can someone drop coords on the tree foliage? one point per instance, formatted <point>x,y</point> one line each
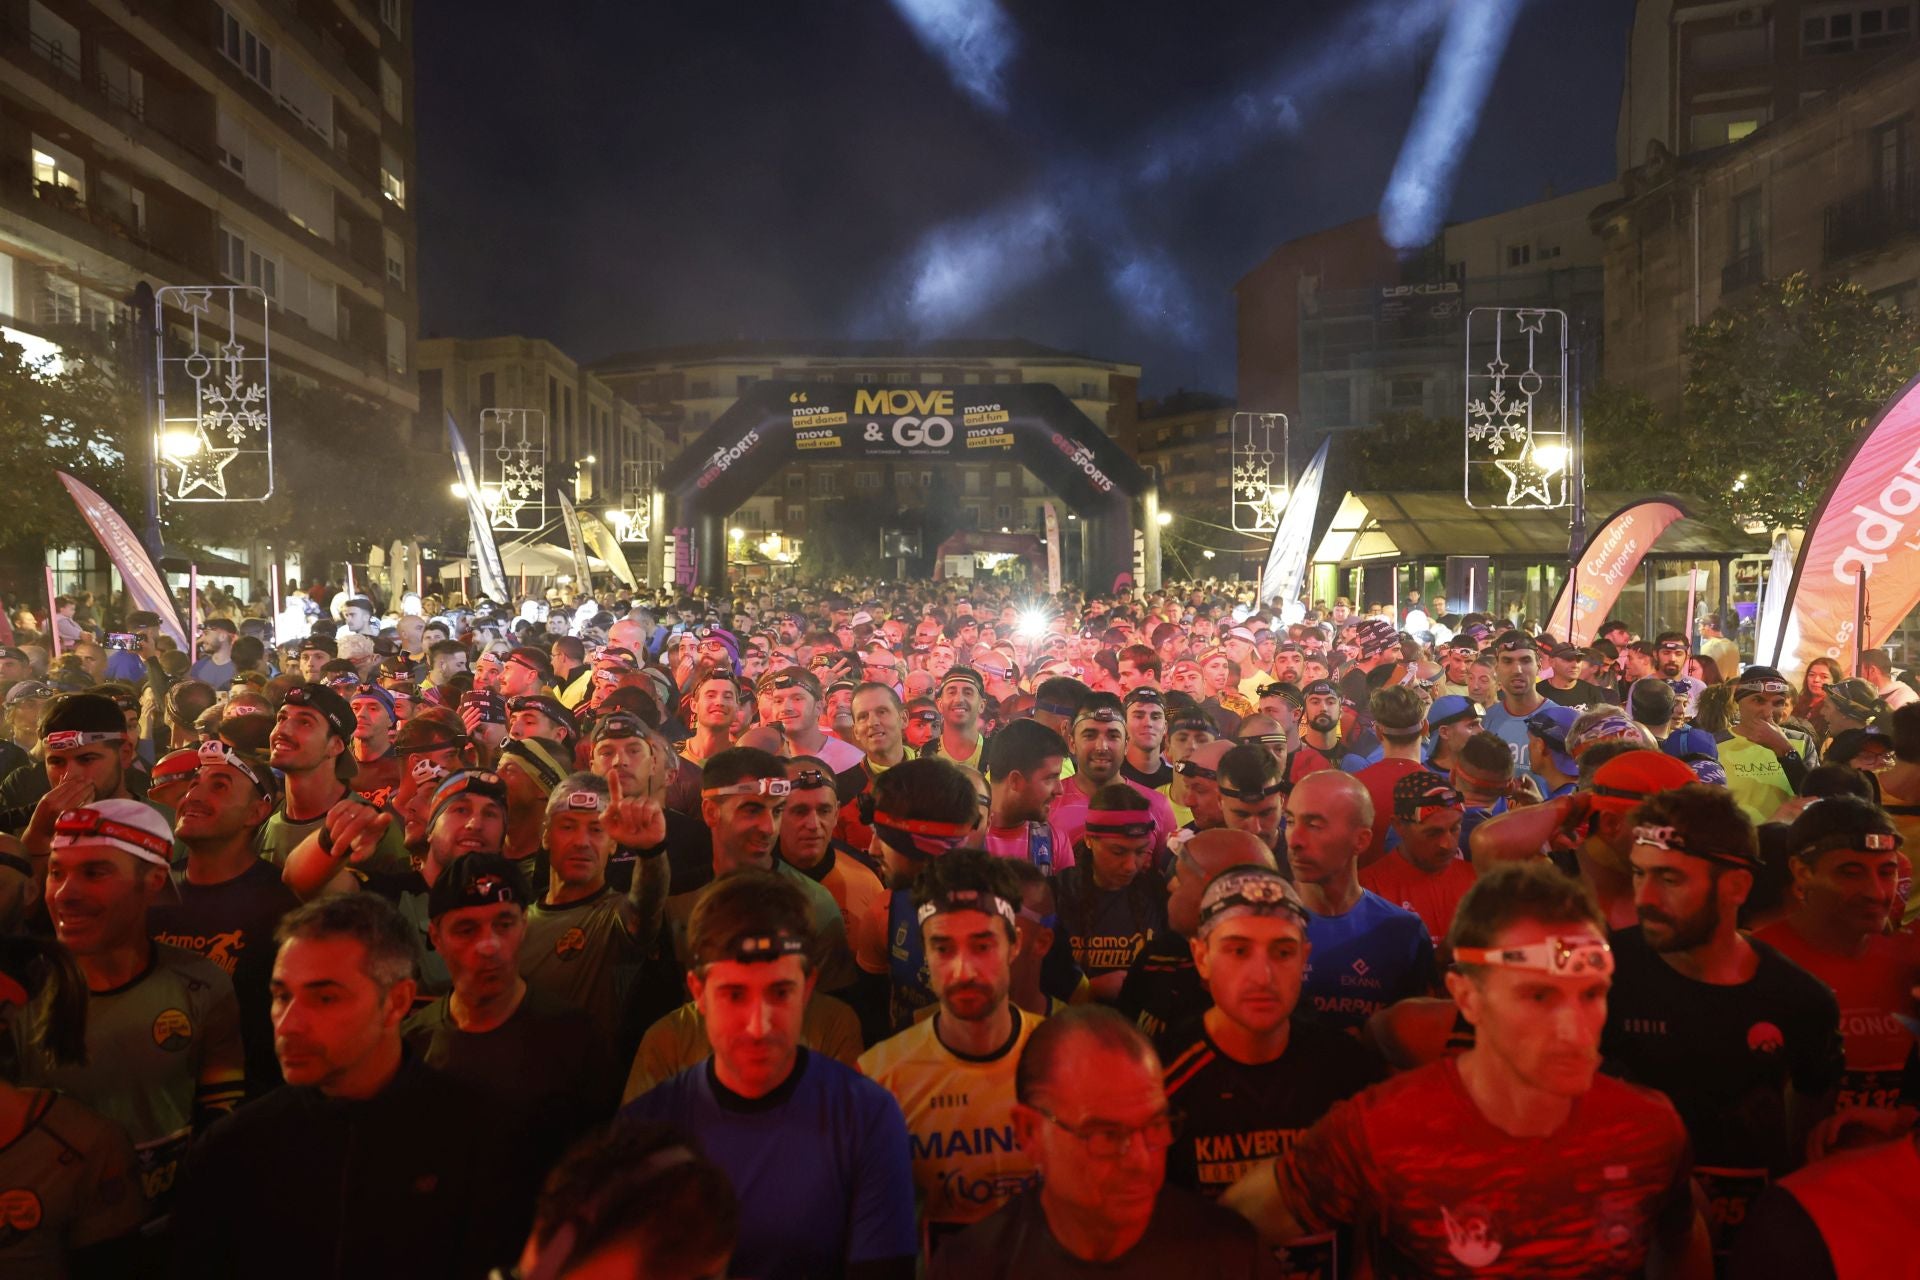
<point>1779,387</point>
<point>1403,451</point>
<point>73,416</point>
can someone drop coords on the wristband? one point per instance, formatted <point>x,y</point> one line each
<point>326,841</point>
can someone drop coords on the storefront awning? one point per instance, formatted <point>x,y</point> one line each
<point>1375,527</point>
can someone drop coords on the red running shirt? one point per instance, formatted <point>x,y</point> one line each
<point>1874,989</point>
<point>1451,1195</point>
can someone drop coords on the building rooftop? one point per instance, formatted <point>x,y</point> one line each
<point>847,349</point>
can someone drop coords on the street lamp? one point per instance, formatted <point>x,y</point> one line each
<point>459,490</point>
<point>736,533</point>
<point>1163,519</point>
<point>180,444</point>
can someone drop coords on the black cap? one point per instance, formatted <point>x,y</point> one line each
<point>318,697</point>
<point>477,880</point>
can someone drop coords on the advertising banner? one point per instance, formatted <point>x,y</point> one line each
<point>493,576</point>
<point>1053,547</point>
<point>145,587</point>
<point>1612,555</point>
<point>607,547</point>
<point>1286,572</point>
<point>1868,525</point>
<point>582,568</point>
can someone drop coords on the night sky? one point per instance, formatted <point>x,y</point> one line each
<point>635,174</point>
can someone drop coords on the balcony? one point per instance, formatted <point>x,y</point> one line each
<point>1871,219</point>
<point>1742,271</point>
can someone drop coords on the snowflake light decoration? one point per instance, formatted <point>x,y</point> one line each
<point>1259,488</point>
<point>216,411</point>
<point>1516,429</point>
<point>513,468</point>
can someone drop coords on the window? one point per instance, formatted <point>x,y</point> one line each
<point>1407,393</point>
<point>970,516</point>
<point>742,383</point>
<point>396,344</point>
<point>796,515</point>
<point>307,199</point>
<point>1548,252</point>
<point>1519,255</point>
<point>488,400</point>
<point>566,409</point>
<point>826,483</point>
<point>392,96</point>
<point>60,302</point>
<point>867,480</point>
<point>54,38</point>
<point>6,286</point>
<point>122,200</point>
<point>1090,391</point>
<point>1002,480</point>
<point>1845,28</point>
<point>57,172</point>
<point>796,481</point>
<point>1003,513</point>
<point>1729,50</point>
<point>699,388</point>
<point>1718,128</point>
<point>393,178</point>
<point>390,14</point>
<point>1893,160</point>
<point>864,379</point>
<point>898,377</point>
<point>396,258</point>
<point>1745,229</point>
<point>124,86</point>
<point>926,479</point>
<point>308,99</point>
<point>245,49</point>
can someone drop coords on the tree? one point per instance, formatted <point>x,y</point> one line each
<point>74,415</point>
<point>1404,450</point>
<point>1779,387</point>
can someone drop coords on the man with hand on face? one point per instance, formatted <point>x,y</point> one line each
<point>1494,1163</point>
<point>582,934</point>
<point>1248,1077</point>
<point>1745,1042</point>
<point>1765,763</point>
<point>164,1056</point>
<point>820,1151</point>
<point>228,901</point>
<point>790,698</point>
<point>1425,873</point>
<point>1367,953</point>
<point>88,757</point>
<point>531,1052</point>
<point>952,1073</point>
<point>1095,1120</point>
<point>439,1179</point>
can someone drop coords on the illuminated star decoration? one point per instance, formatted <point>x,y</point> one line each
<point>204,468</point>
<point>1525,478</point>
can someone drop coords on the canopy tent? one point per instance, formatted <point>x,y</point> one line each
<point>1391,526</point>
<point>178,559</point>
<point>538,558</point>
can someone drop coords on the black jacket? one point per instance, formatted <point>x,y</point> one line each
<point>427,1179</point>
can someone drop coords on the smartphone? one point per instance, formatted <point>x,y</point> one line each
<point>123,641</point>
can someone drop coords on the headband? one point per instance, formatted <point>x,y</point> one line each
<point>967,900</point>
<point>1272,788</point>
<point>1119,822</point>
<point>750,787</point>
<point>1417,807</point>
<point>1864,841</point>
<point>425,770</point>
<point>1105,715</point>
<point>918,838</point>
<point>1673,840</point>
<point>1053,708</point>
<point>1486,782</point>
<point>1249,891</point>
<point>584,801</point>
<point>1569,956</point>
<point>1760,684</point>
<point>214,751</point>
<point>89,826</point>
<point>68,739</point>
<point>1264,739</point>
<point>761,948</point>
<point>1188,769</point>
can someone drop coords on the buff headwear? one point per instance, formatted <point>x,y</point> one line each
<point>1249,891</point>
<point>1421,792</point>
<point>479,782</point>
<point>918,838</point>
<point>126,825</point>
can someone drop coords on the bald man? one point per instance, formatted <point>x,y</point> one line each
<point>1367,953</point>
<point>1162,986</point>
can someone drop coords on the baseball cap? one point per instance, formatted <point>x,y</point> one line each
<point>427,733</point>
<point>1449,708</point>
<point>1622,783</point>
<point>477,880</point>
<point>1565,651</point>
<point>126,825</point>
<point>1322,688</point>
<point>547,705</point>
<point>1651,701</point>
<point>23,690</point>
<point>331,706</point>
<point>1856,699</point>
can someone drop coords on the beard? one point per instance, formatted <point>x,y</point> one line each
<point>1685,933</point>
<point>1322,723</point>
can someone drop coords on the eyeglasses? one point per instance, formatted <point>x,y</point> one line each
<point>1106,1141</point>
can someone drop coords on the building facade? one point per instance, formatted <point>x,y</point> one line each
<point>1832,189</point>
<point>685,388</point>
<point>1338,332</point>
<point>1704,73</point>
<point>598,446</point>
<point>188,142</point>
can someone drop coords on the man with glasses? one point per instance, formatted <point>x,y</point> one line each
<point>1146,734</point>
<point>1248,1076</point>
<point>1092,1115</point>
<point>1553,1143</point>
